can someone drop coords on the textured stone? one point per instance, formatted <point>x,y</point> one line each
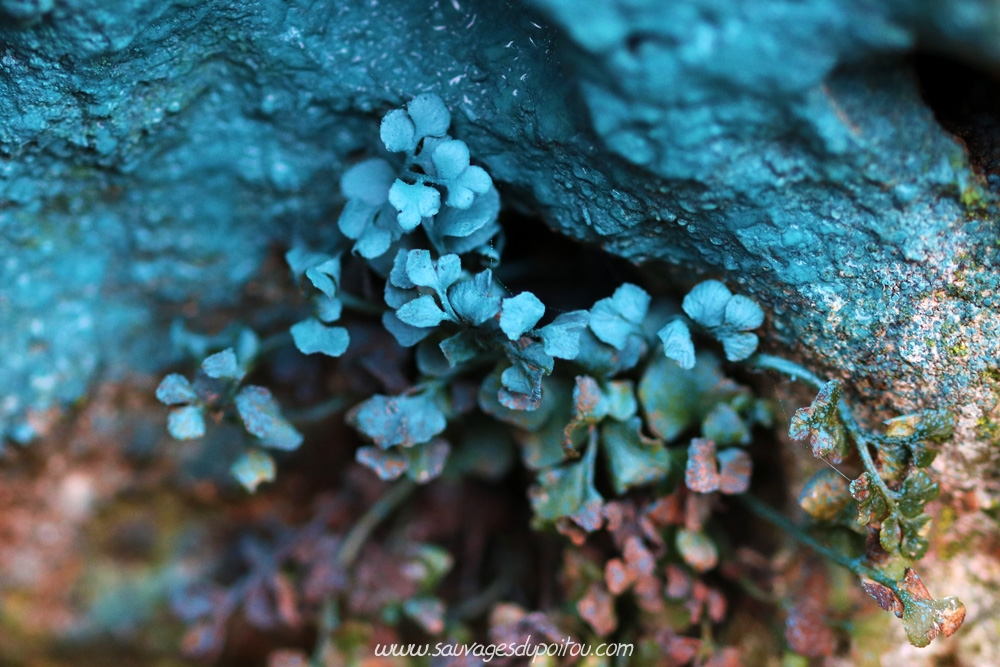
<point>151,151</point>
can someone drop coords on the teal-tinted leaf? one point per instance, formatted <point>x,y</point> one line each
<point>723,425</point>
<point>262,417</point>
<point>477,300</point>
<point>706,303</point>
<point>252,468</point>
<point>421,312</point>
<point>527,420</point>
<point>522,387</point>
<point>427,460</point>
<point>460,348</point>
<point>450,159</point>
<point>223,366</point>
<point>631,302</point>
<point>247,348</point>
<point>603,360</point>
<point>420,268</point>
<point>697,549</point>
<point>738,346</point>
<point>918,489</point>
<point>464,223</point>
<point>735,468</point>
<point>388,465</point>
<point>743,314</point>
<point>519,314</point>
<point>462,190</point>
<point>825,495</point>
<point>620,395</point>
<point>701,473</point>
<point>413,201</point>
<point>175,389</point>
<point>312,336</point>
<point>398,276</point>
<point>405,334</point>
<point>398,420</point>
<point>187,423</point>
<point>431,360</point>
<point>608,324</point>
<point>633,459</point>
<point>398,132</point>
<point>561,337</point>
<point>615,318</point>
<point>327,309</point>
<point>568,491</point>
<point>356,217</point>
<point>377,237</point>
<point>677,343</point>
<point>368,182</point>
<point>429,114</point>
<point>301,258</point>
<point>326,276</point>
<point>889,535</point>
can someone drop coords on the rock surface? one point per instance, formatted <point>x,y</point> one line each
<point>151,151</point>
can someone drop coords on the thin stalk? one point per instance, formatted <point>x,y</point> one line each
<point>855,565</point>
<point>320,411</point>
<point>360,305</point>
<point>786,367</point>
<point>369,521</point>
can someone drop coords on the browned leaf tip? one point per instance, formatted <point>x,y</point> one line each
<point>598,610</point>
<point>884,596</point>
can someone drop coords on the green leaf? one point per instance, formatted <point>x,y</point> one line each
<point>529,420</point>
<point>697,549</point>
<point>918,489</point>
<point>620,395</point>
<point>872,504</point>
<point>890,534</point>
<point>252,468</point>
<point>825,495</point>
<point>738,346</point>
<point>568,491</point>
<point>914,545</point>
<point>924,618</point>
<point>742,314</point>
<point>427,460</point>
<point>723,425</point>
<point>633,459</point>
